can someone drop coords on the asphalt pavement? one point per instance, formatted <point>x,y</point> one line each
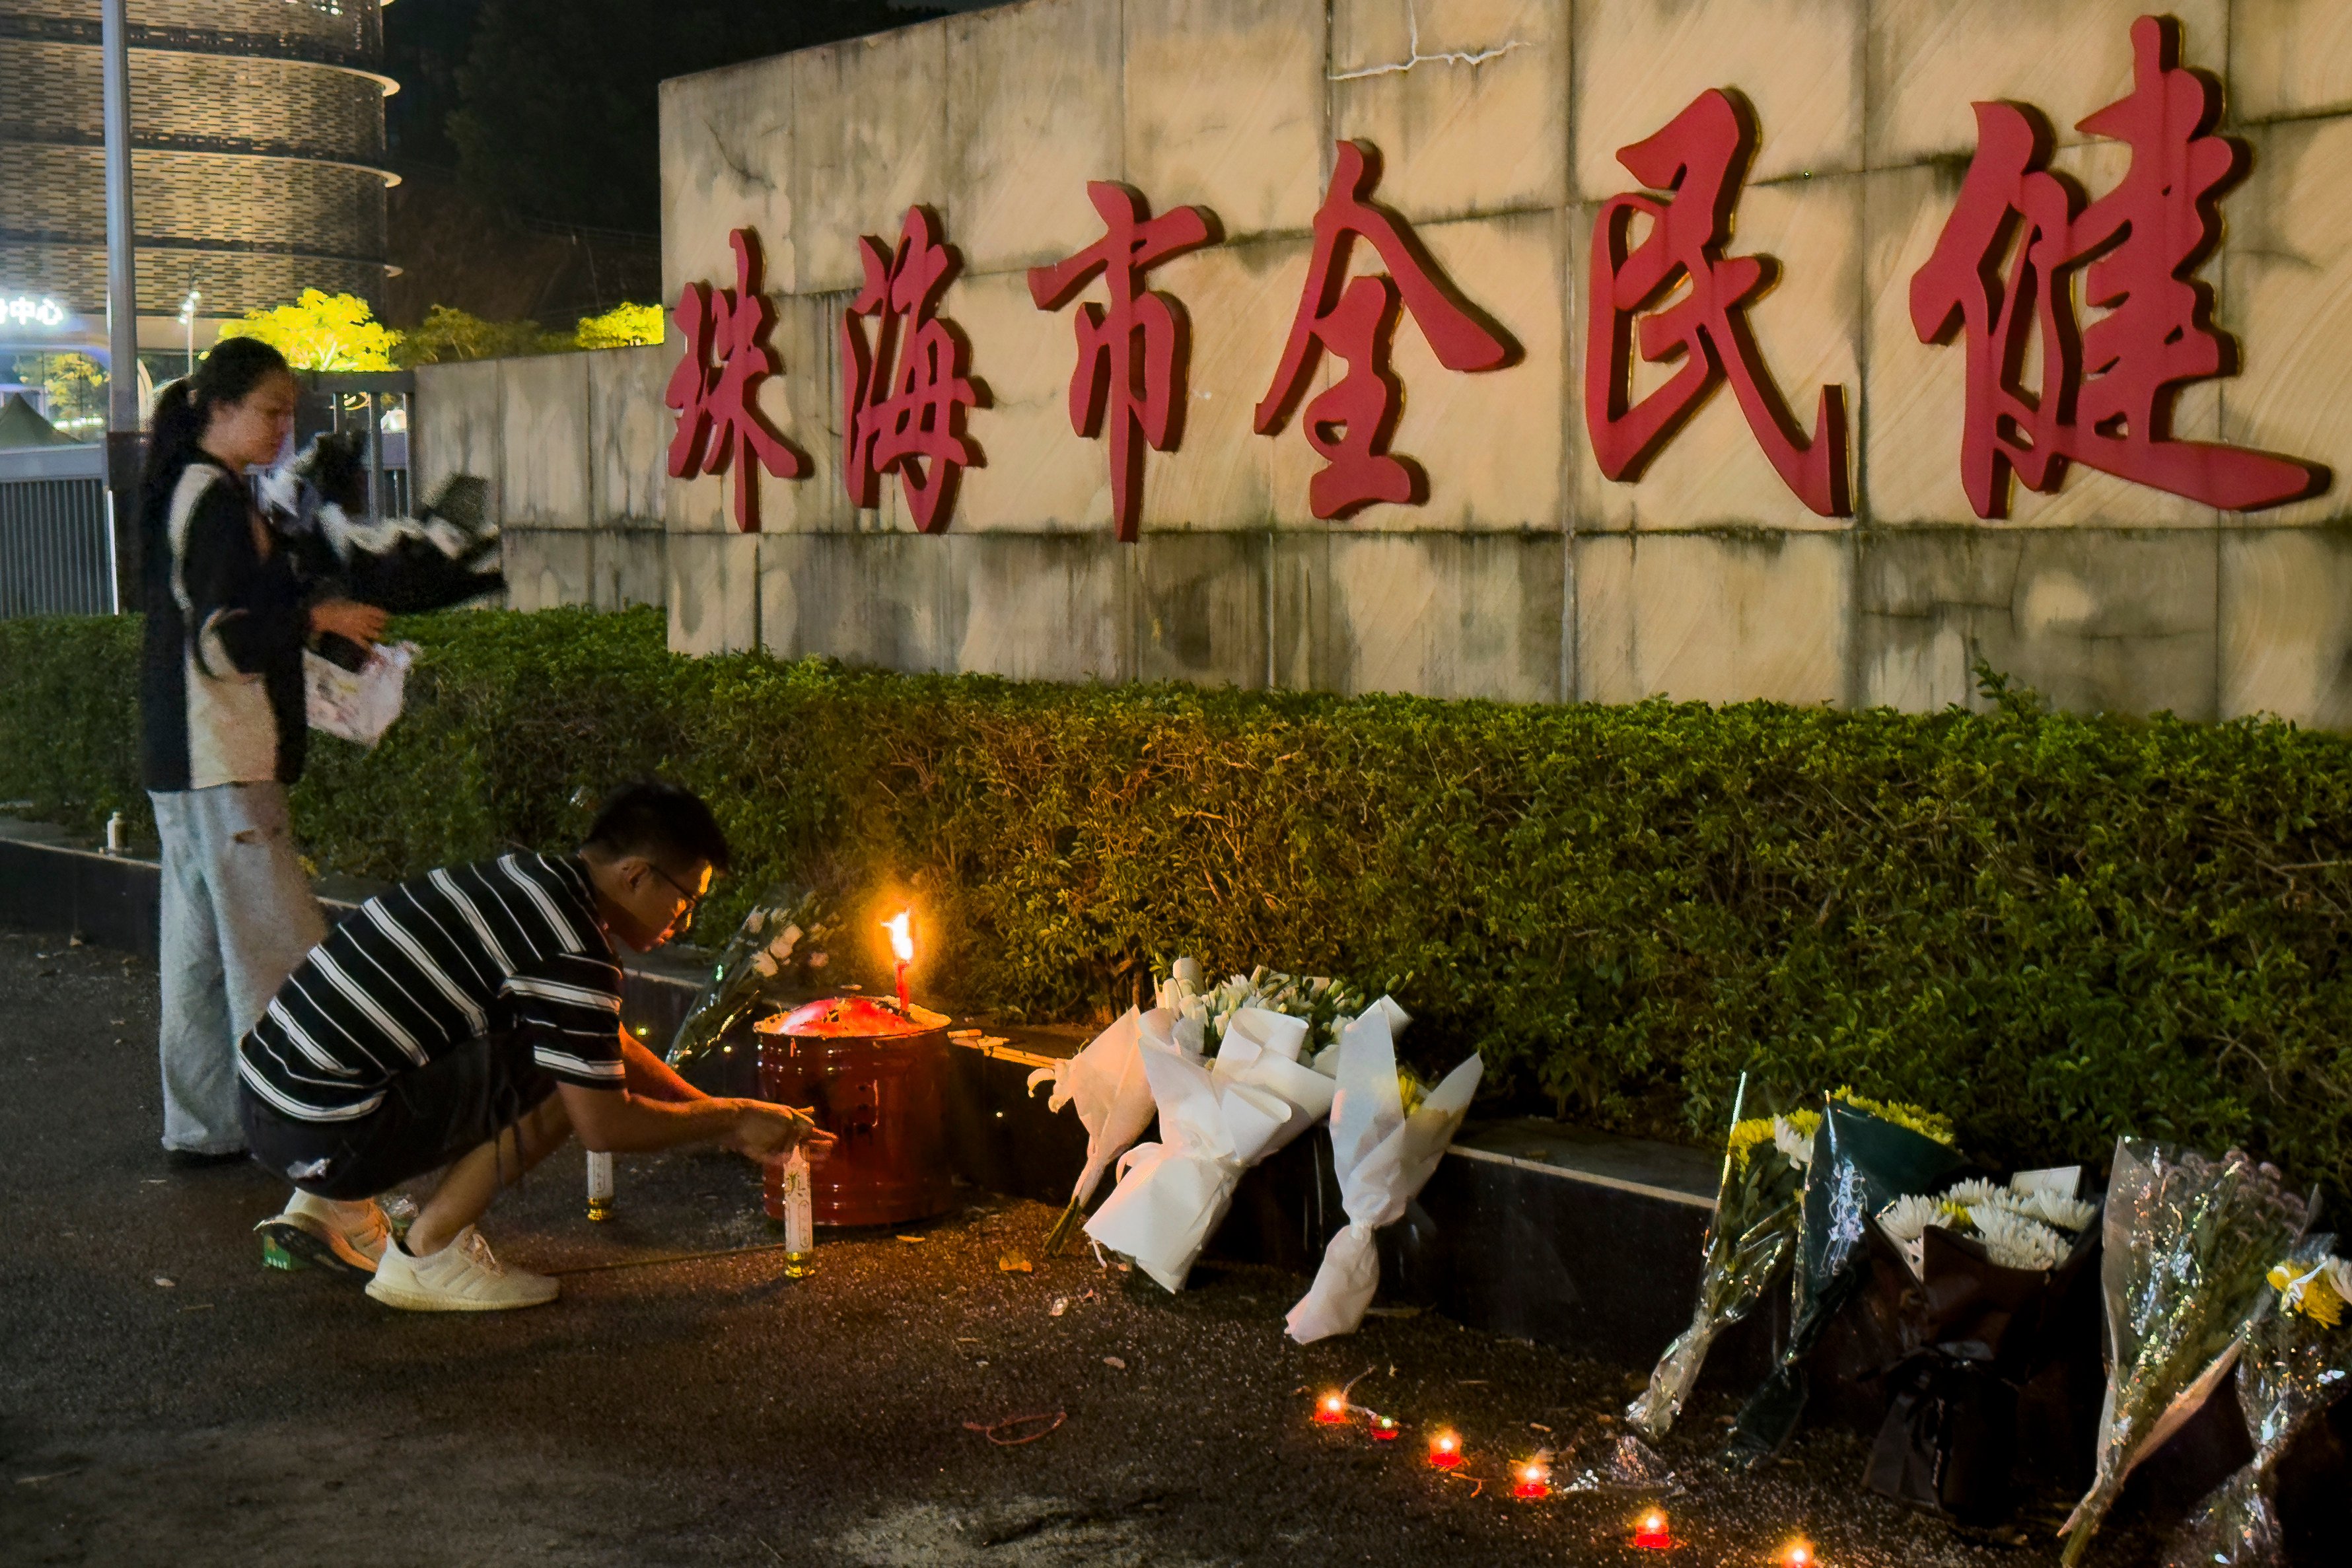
<point>164,1399</point>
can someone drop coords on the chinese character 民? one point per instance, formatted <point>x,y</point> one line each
<point>1701,157</point>
<point>717,402</point>
<point>903,393</point>
<point>1130,358</point>
<point>2106,392</point>
<point>1349,424</point>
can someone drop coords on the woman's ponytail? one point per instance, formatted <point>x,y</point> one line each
<point>171,437</point>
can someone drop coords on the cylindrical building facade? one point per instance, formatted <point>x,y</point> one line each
<point>256,163</point>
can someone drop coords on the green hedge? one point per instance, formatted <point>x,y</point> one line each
<point>2055,929</point>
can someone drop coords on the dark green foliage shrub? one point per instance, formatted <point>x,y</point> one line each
<point>2054,928</point>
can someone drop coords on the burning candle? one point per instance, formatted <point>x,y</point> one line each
<point>1331,1410</point>
<point>1445,1450</point>
<point>1650,1531</point>
<point>1532,1479</point>
<point>1798,1554</point>
<point>1384,1429</point>
<point>902,947</point>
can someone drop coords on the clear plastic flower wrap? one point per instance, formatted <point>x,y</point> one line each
<point>773,958</point>
<point>1865,1156</point>
<point>2187,1241</point>
<point>2296,1362</point>
<point>1747,1243</point>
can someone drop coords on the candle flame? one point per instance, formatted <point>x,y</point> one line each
<point>1653,1523</point>
<point>1799,1553</point>
<point>902,942</point>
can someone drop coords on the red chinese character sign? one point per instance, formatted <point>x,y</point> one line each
<point>1349,424</point>
<point>718,399</point>
<point>904,389</point>
<point>1637,297</point>
<point>1131,358</point>
<point>2004,265</point>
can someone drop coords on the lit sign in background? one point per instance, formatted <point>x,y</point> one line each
<point>31,310</point>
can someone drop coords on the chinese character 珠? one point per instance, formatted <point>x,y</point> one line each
<point>903,393</point>
<point>1702,157</point>
<point>717,403</point>
<point>1349,424</point>
<point>1131,357</point>
<point>2106,392</point>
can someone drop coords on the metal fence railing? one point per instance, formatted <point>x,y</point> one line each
<point>56,555</point>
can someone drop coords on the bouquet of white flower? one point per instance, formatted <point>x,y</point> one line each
<point>2296,1361</point>
<point>2188,1241</point>
<point>1106,1083</point>
<point>769,961</point>
<point>1747,1242</point>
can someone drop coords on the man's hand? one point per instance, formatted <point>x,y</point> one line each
<point>768,1134</point>
<point>363,624</point>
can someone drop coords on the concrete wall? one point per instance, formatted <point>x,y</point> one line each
<point>1528,574</point>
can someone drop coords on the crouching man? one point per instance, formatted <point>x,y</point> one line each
<point>470,1020</point>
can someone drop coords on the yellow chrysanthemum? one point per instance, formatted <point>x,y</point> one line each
<point>2312,1294</point>
<point>1927,1123</point>
<point>1746,1135</point>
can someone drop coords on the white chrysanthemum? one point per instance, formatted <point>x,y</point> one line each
<point>1793,1141</point>
<point>1906,1218</point>
<point>786,941</point>
<point>2014,1241</point>
<point>2066,1214</point>
<point>756,922</point>
<point>764,965</point>
<point>2337,1272</point>
<point>1975,1191</point>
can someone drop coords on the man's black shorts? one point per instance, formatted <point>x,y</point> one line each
<point>452,1104</point>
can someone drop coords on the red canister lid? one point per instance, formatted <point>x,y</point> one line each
<point>853,1018</point>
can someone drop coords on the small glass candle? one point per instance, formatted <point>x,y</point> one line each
<point>1798,1554</point>
<point>1650,1531</point>
<point>1384,1429</point>
<point>1331,1410</point>
<point>1444,1450</point>
<point>1532,1481</point>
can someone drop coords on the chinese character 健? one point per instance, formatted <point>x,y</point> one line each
<point>1702,157</point>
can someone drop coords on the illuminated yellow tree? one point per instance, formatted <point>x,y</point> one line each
<point>623,326</point>
<point>322,331</point>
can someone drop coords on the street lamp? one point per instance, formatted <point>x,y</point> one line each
<point>188,320</point>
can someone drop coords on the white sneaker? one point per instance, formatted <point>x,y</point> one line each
<point>461,1278</point>
<point>346,1238</point>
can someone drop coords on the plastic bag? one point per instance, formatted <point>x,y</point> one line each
<point>357,705</point>
<point>771,961</point>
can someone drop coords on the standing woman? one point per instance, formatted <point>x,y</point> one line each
<point>223,726</point>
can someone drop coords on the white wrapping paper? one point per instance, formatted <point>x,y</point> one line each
<point>1382,1157</point>
<point>1106,1083</point>
<point>1216,1119</point>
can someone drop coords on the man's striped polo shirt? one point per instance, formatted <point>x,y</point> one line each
<point>504,953</point>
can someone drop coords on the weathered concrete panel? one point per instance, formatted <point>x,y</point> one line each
<point>543,459</point>
<point>1713,617</point>
<point>1042,607</point>
<point>869,140</point>
<point>1447,614</point>
<point>1226,106</point>
<point>1638,62</point>
<point>1034,114</point>
<point>1462,100</point>
<point>2287,624</point>
<point>726,147</point>
<point>628,432</point>
<point>866,599</point>
<point>1239,300</point>
<point>2289,57</point>
<point>1930,60</point>
<point>2095,619</point>
<point>2286,292</point>
<point>714,592</point>
<point>548,567</point>
<point>457,427</point>
<point>1712,473</point>
<point>631,567</point>
<point>1200,602</point>
<point>1038,474</point>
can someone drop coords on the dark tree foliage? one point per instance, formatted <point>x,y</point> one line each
<point>558,111</point>
<point>425,43</point>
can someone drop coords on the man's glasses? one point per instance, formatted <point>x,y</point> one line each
<point>692,900</point>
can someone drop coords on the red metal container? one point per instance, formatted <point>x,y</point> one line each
<point>877,1077</point>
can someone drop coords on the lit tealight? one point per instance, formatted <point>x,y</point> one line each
<point>1384,1429</point>
<point>1799,1553</point>
<point>1650,1531</point>
<point>1445,1450</point>
<point>1331,1410</point>
<point>1532,1479</point>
